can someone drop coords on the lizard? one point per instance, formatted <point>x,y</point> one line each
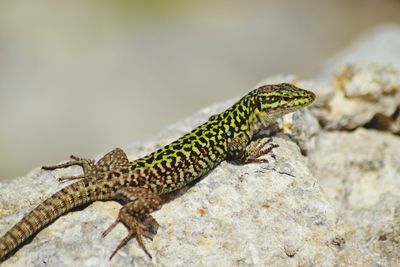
<point>141,184</point>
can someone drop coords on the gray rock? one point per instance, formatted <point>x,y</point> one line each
<point>360,172</point>
<point>236,216</point>
<point>362,94</point>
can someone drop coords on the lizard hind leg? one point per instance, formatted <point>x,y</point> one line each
<point>111,160</point>
<point>135,216</point>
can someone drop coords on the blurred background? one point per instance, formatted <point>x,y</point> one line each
<point>84,77</point>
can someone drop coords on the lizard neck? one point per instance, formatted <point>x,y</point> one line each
<point>243,117</point>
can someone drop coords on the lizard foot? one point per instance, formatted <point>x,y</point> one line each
<point>110,161</point>
<point>87,165</point>
<point>147,228</point>
<point>135,216</point>
<point>257,149</point>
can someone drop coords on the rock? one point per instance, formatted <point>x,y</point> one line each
<point>359,170</point>
<point>302,126</point>
<point>379,45</point>
<point>362,93</point>
<point>360,173</point>
<point>254,217</point>
<point>367,162</point>
<point>237,215</point>
<point>355,96</point>
<point>370,81</point>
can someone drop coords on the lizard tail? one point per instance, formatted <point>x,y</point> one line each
<point>71,196</point>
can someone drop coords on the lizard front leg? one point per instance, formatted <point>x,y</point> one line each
<point>258,148</point>
<point>244,151</point>
<point>110,161</point>
<point>135,215</point>
<point>241,149</point>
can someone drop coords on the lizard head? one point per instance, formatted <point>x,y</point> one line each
<point>273,101</point>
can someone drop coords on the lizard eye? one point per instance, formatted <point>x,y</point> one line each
<point>263,99</point>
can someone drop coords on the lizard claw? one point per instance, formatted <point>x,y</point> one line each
<point>138,233</point>
<point>109,228</point>
<point>126,240</point>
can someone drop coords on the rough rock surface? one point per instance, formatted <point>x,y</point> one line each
<point>235,216</point>
<point>330,197</point>
<point>361,94</point>
<point>360,172</point>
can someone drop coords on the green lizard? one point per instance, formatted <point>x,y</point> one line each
<point>140,184</point>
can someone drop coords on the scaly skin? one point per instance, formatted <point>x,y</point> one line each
<point>140,183</point>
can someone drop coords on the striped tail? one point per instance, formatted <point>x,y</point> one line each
<point>71,196</point>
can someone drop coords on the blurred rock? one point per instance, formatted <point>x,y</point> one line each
<point>362,92</point>
<point>378,45</point>
<point>365,90</point>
